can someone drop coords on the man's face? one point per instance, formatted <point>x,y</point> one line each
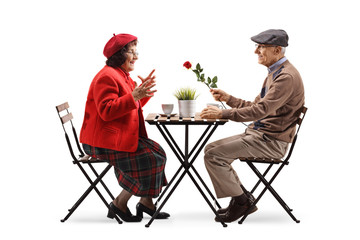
<point>267,54</point>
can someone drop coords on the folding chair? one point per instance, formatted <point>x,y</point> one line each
<point>281,163</point>
<point>83,159</point>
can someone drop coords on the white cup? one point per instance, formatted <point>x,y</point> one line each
<point>167,108</point>
<point>215,105</point>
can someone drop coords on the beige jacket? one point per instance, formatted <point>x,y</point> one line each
<point>276,109</point>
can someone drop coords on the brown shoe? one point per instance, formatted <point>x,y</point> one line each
<point>224,210</point>
<point>252,209</point>
<point>237,209</point>
<point>250,197</point>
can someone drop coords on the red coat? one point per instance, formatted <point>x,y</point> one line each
<point>112,117</point>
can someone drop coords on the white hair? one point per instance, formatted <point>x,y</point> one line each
<point>283,50</point>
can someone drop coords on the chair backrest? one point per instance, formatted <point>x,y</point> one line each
<point>66,117</point>
<point>299,121</point>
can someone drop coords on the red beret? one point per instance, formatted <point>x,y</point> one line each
<point>116,43</point>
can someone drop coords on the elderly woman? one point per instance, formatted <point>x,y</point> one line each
<point>113,129</point>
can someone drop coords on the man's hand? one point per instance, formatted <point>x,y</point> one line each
<point>211,112</point>
<point>220,95</point>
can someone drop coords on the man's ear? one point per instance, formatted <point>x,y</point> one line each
<point>277,50</point>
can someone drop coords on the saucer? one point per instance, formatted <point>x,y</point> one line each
<point>167,115</point>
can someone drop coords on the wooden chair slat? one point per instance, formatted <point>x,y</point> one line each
<point>62,107</point>
<point>304,110</point>
<point>67,118</point>
<point>260,160</point>
<point>299,121</point>
<point>89,159</point>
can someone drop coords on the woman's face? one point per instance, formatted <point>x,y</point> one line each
<point>132,56</point>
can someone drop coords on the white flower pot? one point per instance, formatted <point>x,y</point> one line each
<point>187,108</point>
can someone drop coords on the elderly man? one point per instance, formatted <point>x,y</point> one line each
<point>273,112</point>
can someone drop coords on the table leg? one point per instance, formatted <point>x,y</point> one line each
<point>206,199</point>
<point>173,189</point>
<point>171,139</point>
<point>166,199</point>
<point>168,186</point>
<point>195,156</point>
<point>172,145</point>
<point>184,160</point>
<point>188,165</point>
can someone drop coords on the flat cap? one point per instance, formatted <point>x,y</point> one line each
<point>275,37</point>
<point>116,43</point>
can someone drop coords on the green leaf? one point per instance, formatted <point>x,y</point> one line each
<point>198,67</point>
<point>215,79</point>
<point>185,93</point>
<point>209,80</point>
<point>197,73</point>
<point>201,70</point>
<point>213,85</point>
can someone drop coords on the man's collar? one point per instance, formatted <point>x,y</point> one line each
<point>277,64</point>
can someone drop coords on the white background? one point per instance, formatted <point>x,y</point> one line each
<point>51,50</point>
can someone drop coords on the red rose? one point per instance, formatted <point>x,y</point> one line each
<point>187,64</point>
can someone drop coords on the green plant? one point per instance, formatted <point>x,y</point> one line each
<point>185,93</point>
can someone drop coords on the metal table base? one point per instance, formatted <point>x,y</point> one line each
<point>187,157</point>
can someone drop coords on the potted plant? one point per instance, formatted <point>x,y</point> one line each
<point>187,101</point>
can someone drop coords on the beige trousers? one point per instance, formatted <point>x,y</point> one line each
<point>220,154</point>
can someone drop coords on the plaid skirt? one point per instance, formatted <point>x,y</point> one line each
<point>142,173</point>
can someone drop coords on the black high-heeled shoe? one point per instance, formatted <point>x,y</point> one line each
<point>140,208</point>
<point>127,217</point>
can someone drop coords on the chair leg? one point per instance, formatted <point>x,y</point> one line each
<point>101,181</point>
<point>273,192</point>
<point>264,174</point>
<point>89,189</point>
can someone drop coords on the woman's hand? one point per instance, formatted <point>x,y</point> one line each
<point>220,95</point>
<point>150,77</point>
<point>144,90</point>
<point>211,112</point>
